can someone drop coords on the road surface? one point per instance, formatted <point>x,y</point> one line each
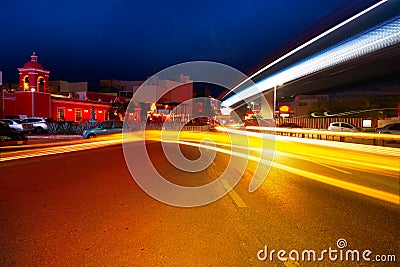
<point>83,208</point>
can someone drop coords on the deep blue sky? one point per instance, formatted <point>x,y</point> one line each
<point>82,40</point>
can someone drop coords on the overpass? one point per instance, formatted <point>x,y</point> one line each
<point>364,48</point>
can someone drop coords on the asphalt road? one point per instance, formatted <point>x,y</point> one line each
<point>84,209</point>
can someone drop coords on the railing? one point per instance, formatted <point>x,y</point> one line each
<point>196,128</point>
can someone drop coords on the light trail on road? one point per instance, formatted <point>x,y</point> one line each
<point>365,158</point>
<point>369,159</point>
<point>60,149</point>
<point>337,182</point>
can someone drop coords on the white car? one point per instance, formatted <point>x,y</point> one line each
<point>342,127</point>
<point>40,125</point>
<point>18,125</point>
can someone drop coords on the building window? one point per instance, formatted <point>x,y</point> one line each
<point>78,115</point>
<point>60,114</point>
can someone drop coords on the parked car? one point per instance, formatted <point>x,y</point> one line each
<point>389,129</point>
<point>40,125</point>
<point>18,125</point>
<point>290,125</point>
<point>260,122</point>
<point>203,121</point>
<point>106,127</point>
<point>342,127</point>
<point>10,136</point>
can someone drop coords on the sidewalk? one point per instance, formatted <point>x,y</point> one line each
<point>45,140</point>
<point>50,138</point>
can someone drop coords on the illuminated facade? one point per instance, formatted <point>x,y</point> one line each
<point>34,99</point>
<point>33,77</point>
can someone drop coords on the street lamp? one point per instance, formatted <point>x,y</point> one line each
<point>273,115</point>
<point>273,112</point>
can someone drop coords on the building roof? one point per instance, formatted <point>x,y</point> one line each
<point>33,63</point>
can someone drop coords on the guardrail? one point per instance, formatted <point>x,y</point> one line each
<point>196,128</point>
<point>350,137</point>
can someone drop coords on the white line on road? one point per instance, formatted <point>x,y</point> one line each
<point>333,168</point>
<point>234,196</point>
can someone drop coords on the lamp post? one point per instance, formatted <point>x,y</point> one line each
<point>275,103</point>
<point>273,112</point>
<point>33,101</point>
<point>2,103</point>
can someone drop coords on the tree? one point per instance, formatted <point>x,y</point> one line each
<point>117,110</point>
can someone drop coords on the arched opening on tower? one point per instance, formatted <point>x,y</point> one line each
<point>40,84</point>
<point>26,83</point>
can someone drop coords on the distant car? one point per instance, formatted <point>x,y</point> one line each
<point>9,136</point>
<point>290,125</point>
<point>389,129</point>
<point>40,125</point>
<point>260,122</point>
<point>106,127</point>
<point>342,127</point>
<point>203,121</point>
<point>17,125</point>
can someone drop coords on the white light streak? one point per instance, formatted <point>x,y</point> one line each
<point>283,77</point>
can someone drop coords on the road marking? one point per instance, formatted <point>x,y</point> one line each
<point>333,168</point>
<point>234,196</point>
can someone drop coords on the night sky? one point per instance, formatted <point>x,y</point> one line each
<point>82,40</point>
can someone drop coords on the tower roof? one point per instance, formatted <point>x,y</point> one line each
<point>33,63</point>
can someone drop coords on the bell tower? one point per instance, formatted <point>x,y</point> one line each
<point>33,77</point>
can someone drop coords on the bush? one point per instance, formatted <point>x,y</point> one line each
<point>66,127</point>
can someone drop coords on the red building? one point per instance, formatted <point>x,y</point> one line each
<point>33,100</point>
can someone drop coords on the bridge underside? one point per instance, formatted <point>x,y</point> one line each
<point>365,73</point>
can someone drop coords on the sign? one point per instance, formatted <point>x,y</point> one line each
<point>367,123</point>
<point>284,109</point>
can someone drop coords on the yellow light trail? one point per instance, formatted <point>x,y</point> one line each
<point>349,186</point>
<point>37,152</point>
<point>390,167</point>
